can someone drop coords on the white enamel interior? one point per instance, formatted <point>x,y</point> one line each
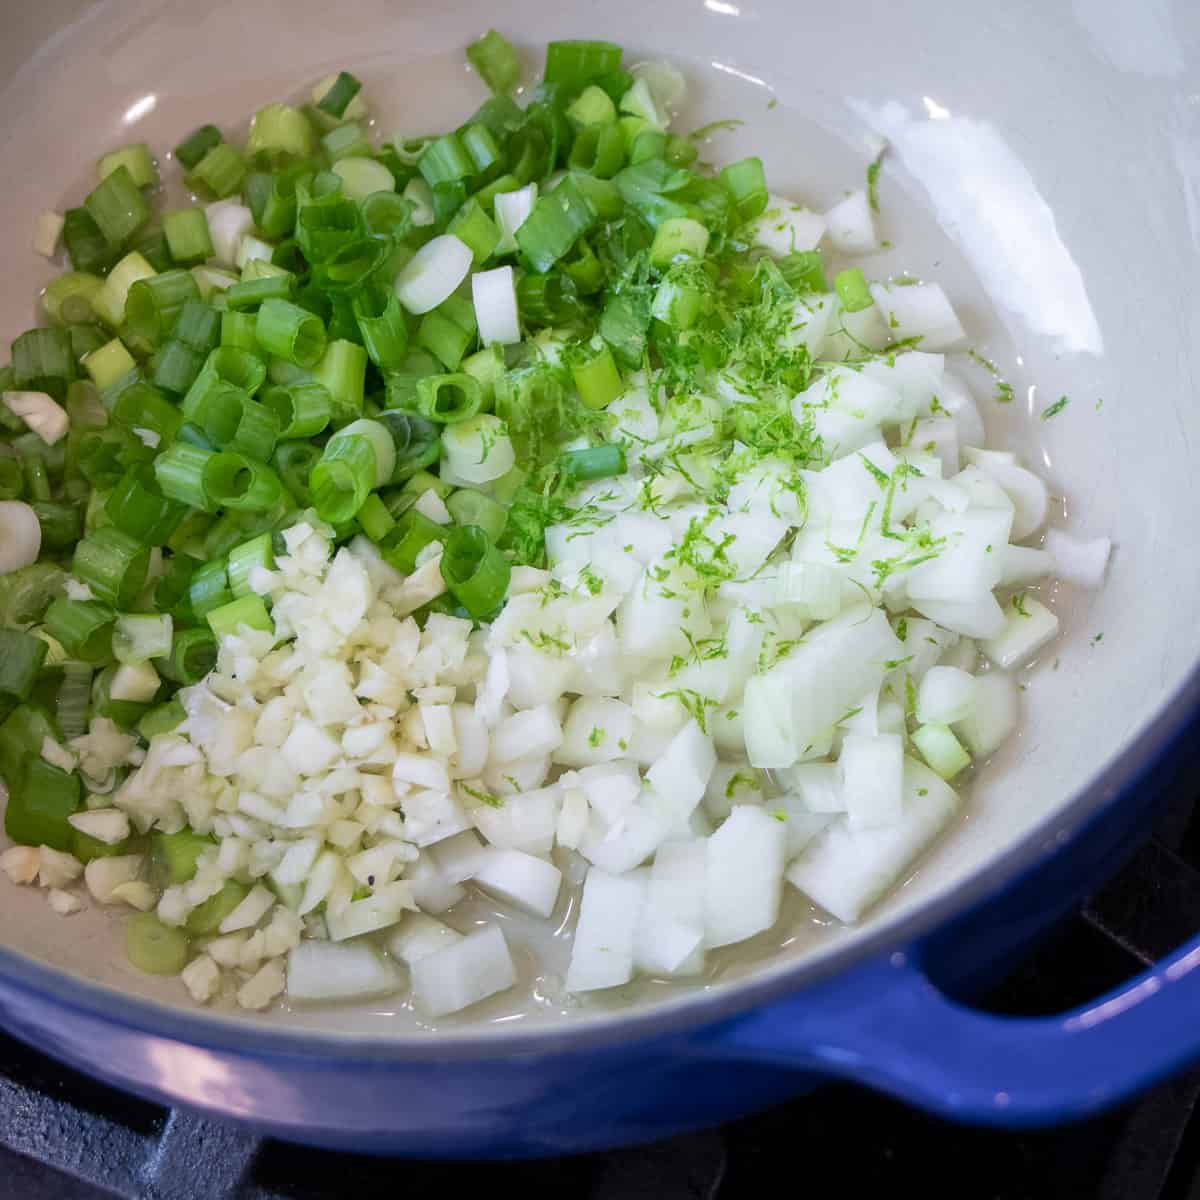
<point>1046,169</point>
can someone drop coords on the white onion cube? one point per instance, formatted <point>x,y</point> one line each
<point>744,876</point>
<point>463,973</point>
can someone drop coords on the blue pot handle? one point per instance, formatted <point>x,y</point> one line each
<point>888,1026</point>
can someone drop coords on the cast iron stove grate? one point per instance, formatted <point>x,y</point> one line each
<point>63,1137</point>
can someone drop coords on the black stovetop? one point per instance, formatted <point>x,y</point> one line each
<point>63,1137</point>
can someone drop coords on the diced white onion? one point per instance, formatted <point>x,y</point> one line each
<point>323,971</point>
<point>851,226</point>
<point>919,310</point>
<point>463,973</point>
<point>1078,560</point>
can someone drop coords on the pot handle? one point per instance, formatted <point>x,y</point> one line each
<point>888,1026</point>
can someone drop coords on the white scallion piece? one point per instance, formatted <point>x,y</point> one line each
<point>47,232</point>
<point>44,415</point>
<point>494,294</point>
<point>512,209</point>
<point>20,536</point>
<point>433,273</point>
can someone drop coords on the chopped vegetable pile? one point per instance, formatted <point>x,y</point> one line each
<point>483,513</point>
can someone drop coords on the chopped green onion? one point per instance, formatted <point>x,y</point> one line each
<point>74,696</point>
<point>324,228</point>
<point>804,270</point>
<point>272,202</point>
<point>341,481</point>
<point>82,627</point>
<point>351,265</point>
<point>496,62</point>
<point>446,399</point>
<point>475,571</point>
<point>596,376</point>
<point>599,150</point>
<point>142,408</point>
<point>153,305</point>
<point>38,807</point>
<point>60,523</point>
<point>385,214</point>
<point>335,101</point>
<point>42,362</point>
<point>287,331</point>
<point>37,480</point>
<point>239,330</point>
<point>678,236</point>
<point>246,612</point>
<point>233,480</point>
<point>176,367</point>
<point>280,131</point>
<point>86,338</point>
<point>362,177</point>
<point>112,564</point>
<point>21,658</point>
<point>186,231</point>
<point>137,507</point>
<point>412,533</point>
<point>294,461</point>
<point>243,559</point>
<point>67,299</point>
<point>241,368</point>
<point>109,302</point>
<point>166,718</point>
<point>578,63</point>
<point>155,948</point>
<point>12,478</point>
<point>375,519</point>
<point>208,588</point>
<point>444,338</point>
<point>196,145</point>
<point>221,170</point>
<point>118,206</point>
<point>557,221</point>
<point>139,637</point>
<point>343,371</point>
<point>193,654</point>
<point>481,147</point>
<point>746,183</point>
<point>445,160</point>
<point>852,290</point>
<point>251,293</point>
<point>109,363</point>
<point>595,462</point>
<point>415,440</point>
<point>346,141</point>
<point>469,507</point>
<point>475,229</point>
<point>381,323</point>
<point>87,248</point>
<point>302,409</point>
<point>180,474</point>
